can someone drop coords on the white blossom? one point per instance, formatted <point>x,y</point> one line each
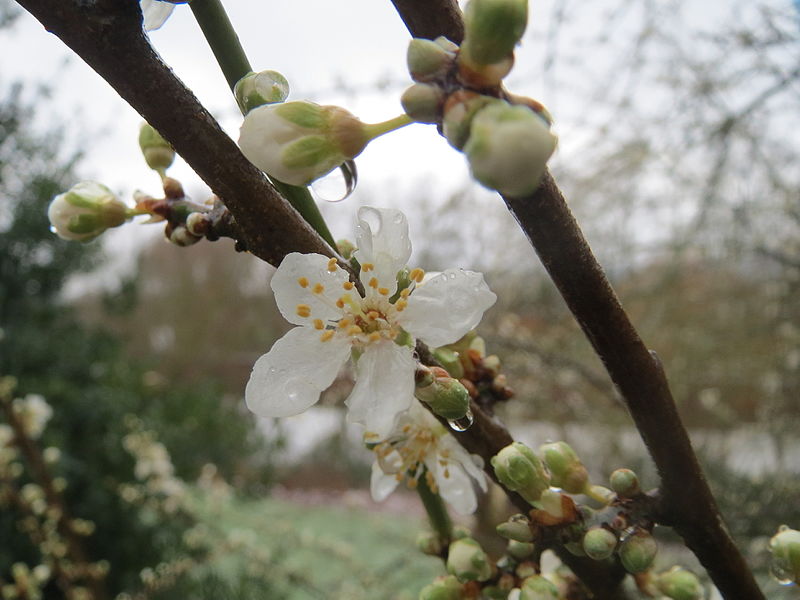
<point>155,13</point>
<point>313,292</point>
<point>420,446</point>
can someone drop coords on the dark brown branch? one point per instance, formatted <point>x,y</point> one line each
<point>108,35</point>
<point>431,18</point>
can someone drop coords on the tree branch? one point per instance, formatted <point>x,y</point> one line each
<point>108,35</point>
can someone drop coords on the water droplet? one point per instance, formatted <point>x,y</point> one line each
<point>461,424</point>
<point>53,228</point>
<point>338,184</point>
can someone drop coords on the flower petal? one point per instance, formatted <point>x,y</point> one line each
<point>290,377</point>
<point>455,486</point>
<point>155,13</point>
<point>472,463</point>
<point>384,387</point>
<point>443,309</point>
<point>298,270</point>
<point>381,484</point>
<point>382,239</point>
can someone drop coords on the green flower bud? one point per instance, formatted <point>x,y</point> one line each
<point>86,211</point>
<point>158,152</point>
<point>519,550</point>
<point>566,469</point>
<point>423,102</point>
<point>460,532</point>
<point>638,551</point>
<point>508,148</point>
<point>517,528</point>
<point>428,60</point>
<point>625,483</point>
<point>538,587</point>
<point>451,47</point>
<point>494,592</point>
<point>443,588</point>
<point>450,360</point>
<point>493,28</point>
<point>257,89</point>
<point>446,396</point>
<point>467,561</point>
<point>520,470</point>
<point>459,110</point>
<point>599,543</point>
<point>785,549</point>
<point>679,584</point>
<point>429,543</point>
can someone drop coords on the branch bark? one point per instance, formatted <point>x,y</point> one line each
<point>108,36</point>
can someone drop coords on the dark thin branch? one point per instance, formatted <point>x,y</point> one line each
<point>431,18</point>
<point>108,35</point>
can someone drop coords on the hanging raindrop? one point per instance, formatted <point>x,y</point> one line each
<point>53,228</point>
<point>461,424</point>
<point>338,184</point>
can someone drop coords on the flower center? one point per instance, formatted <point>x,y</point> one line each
<point>403,455</point>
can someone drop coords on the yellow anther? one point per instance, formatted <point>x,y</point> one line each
<point>446,473</point>
<point>373,314</point>
<point>318,288</point>
<point>348,285</point>
<point>406,428</point>
<point>405,292</point>
<point>332,266</point>
<point>399,477</point>
<point>371,435</point>
<point>344,323</point>
<point>367,267</point>
<point>373,283</point>
<point>303,310</point>
<point>326,336</point>
<point>340,303</point>
<point>400,305</point>
<point>354,330</point>
<point>318,324</point>
<point>383,291</point>
<point>412,484</point>
<point>303,282</point>
<point>416,275</point>
<point>374,336</point>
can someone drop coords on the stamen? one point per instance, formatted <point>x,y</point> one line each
<point>400,305</point>
<point>383,291</point>
<point>416,275</point>
<point>447,473</point>
<point>318,324</point>
<point>348,285</point>
<point>318,288</point>
<point>373,314</point>
<point>303,310</point>
<point>405,293</point>
<point>412,484</point>
<point>374,336</point>
<point>303,282</point>
<point>340,303</point>
<point>355,330</point>
<point>344,323</point>
<point>332,266</point>
<point>326,336</point>
<point>367,267</point>
<point>373,283</point>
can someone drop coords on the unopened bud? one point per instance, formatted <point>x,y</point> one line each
<point>625,483</point>
<point>599,543</point>
<point>86,211</point>
<point>459,110</point>
<point>638,551</point>
<point>423,102</point>
<point>180,235</point>
<point>537,587</point>
<point>566,469</point>
<point>493,28</point>
<point>518,528</point>
<point>158,152</point>
<point>680,584</point>
<point>428,60</point>
<point>443,588</point>
<point>484,77</point>
<point>467,561</point>
<point>429,543</point>
<point>446,396</point>
<point>508,148</point>
<point>785,549</point>
<point>450,360</point>
<point>520,470</point>
<point>256,89</point>
<point>519,550</point>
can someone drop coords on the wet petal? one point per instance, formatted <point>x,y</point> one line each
<point>155,13</point>
<point>472,463</point>
<point>455,486</point>
<point>443,309</point>
<point>295,282</point>
<point>382,239</point>
<point>290,377</point>
<point>384,387</point>
<point>381,484</point>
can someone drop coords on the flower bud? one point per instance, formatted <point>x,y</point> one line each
<point>679,584</point>
<point>519,550</point>
<point>481,77</point>
<point>256,89</point>
<point>520,470</point>
<point>566,469</point>
<point>467,561</point>
<point>625,483</point>
<point>423,102</point>
<point>158,152</point>
<point>785,549</point>
<point>537,587</point>
<point>508,148</point>
<point>298,142</point>
<point>443,588</point>
<point>428,60</point>
<point>86,211</point>
<point>638,551</point>
<point>459,110</point>
<point>517,528</point>
<point>446,396</point>
<point>450,360</point>
<point>429,543</point>
<point>599,543</point>
<point>492,28</point>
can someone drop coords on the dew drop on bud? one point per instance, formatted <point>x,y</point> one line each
<point>461,424</point>
<point>52,228</point>
<point>338,184</point>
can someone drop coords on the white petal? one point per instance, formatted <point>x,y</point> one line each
<point>472,463</point>
<point>384,387</point>
<point>381,484</point>
<point>442,310</point>
<point>290,377</point>
<point>382,239</point>
<point>314,269</point>
<point>456,489</point>
<point>155,13</point>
